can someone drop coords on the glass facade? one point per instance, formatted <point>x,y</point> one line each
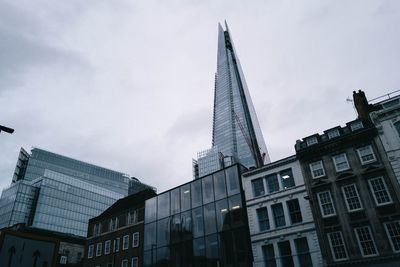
<point>202,223</point>
<point>57,193</point>
<point>16,203</point>
<point>40,160</point>
<point>66,204</point>
<point>236,131</point>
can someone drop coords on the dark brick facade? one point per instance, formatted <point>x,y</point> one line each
<point>353,194</point>
<point>116,236</point>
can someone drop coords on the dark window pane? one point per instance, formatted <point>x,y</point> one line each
<point>258,187</point>
<point>294,211</point>
<point>303,252</point>
<point>186,218</point>
<point>176,228</point>
<point>175,201</point>
<point>209,219</point>
<point>272,183</point>
<point>269,255</point>
<point>236,210</point>
<point>198,224</point>
<point>163,232</point>
<point>150,236</point>
<point>287,178</point>
<point>199,252</point>
<point>242,251</point>
<point>151,210</point>
<point>185,197</point>
<point>163,206</point>
<point>286,254</point>
<point>208,189</point>
<point>150,258</point>
<point>222,214</point>
<point>279,216</point>
<point>232,180</point>
<point>163,257</point>
<point>212,252</point>
<point>196,193</point>
<point>263,220</point>
<point>219,185</point>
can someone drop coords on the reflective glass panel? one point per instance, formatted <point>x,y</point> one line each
<point>176,228</point>
<point>198,224</point>
<point>186,218</point>
<point>185,197</point>
<point>222,214</point>
<point>219,185</point>
<point>199,251</point>
<point>175,201</point>
<point>235,210</point>
<point>208,189</point>
<point>163,257</point>
<point>212,251</point>
<point>232,180</point>
<point>163,206</point>
<point>150,236</point>
<point>209,219</point>
<point>163,232</point>
<point>196,193</point>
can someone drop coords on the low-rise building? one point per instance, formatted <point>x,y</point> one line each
<point>27,246</point>
<point>354,195</point>
<point>200,223</point>
<point>115,237</point>
<point>385,114</point>
<point>281,224</point>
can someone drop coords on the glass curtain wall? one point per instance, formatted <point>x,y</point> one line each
<point>202,223</point>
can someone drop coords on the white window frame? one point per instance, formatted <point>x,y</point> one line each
<point>136,261</point>
<point>390,237</point>
<point>125,245</point>
<point>90,251</point>
<point>359,242</point>
<point>99,248</point>
<point>386,189</point>
<point>331,246</point>
<point>113,224</point>
<point>133,217</point>
<point>116,245</point>
<point>63,260</point>
<point>312,169</point>
<point>331,201</point>
<point>372,153</point>
<point>346,199</point>
<point>356,125</point>
<point>312,141</point>
<point>135,239</point>
<point>124,263</point>
<point>107,244</point>
<point>335,163</point>
<point>333,133</point>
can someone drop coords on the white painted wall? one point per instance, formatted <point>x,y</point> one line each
<point>286,233</point>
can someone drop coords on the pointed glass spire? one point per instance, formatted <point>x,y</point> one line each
<point>236,131</point>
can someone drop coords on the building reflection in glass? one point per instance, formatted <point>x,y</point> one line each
<point>201,223</point>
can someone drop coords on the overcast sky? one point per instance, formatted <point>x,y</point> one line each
<point>128,85</point>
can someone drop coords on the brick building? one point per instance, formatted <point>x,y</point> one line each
<point>354,195</point>
<point>115,237</point>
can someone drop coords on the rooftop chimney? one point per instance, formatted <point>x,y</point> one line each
<point>361,104</point>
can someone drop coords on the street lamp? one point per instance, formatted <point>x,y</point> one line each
<point>6,129</point>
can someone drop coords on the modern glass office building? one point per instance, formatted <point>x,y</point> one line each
<point>201,223</point>
<point>39,160</point>
<point>236,131</point>
<point>57,193</point>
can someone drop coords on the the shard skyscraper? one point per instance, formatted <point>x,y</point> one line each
<point>236,131</point>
